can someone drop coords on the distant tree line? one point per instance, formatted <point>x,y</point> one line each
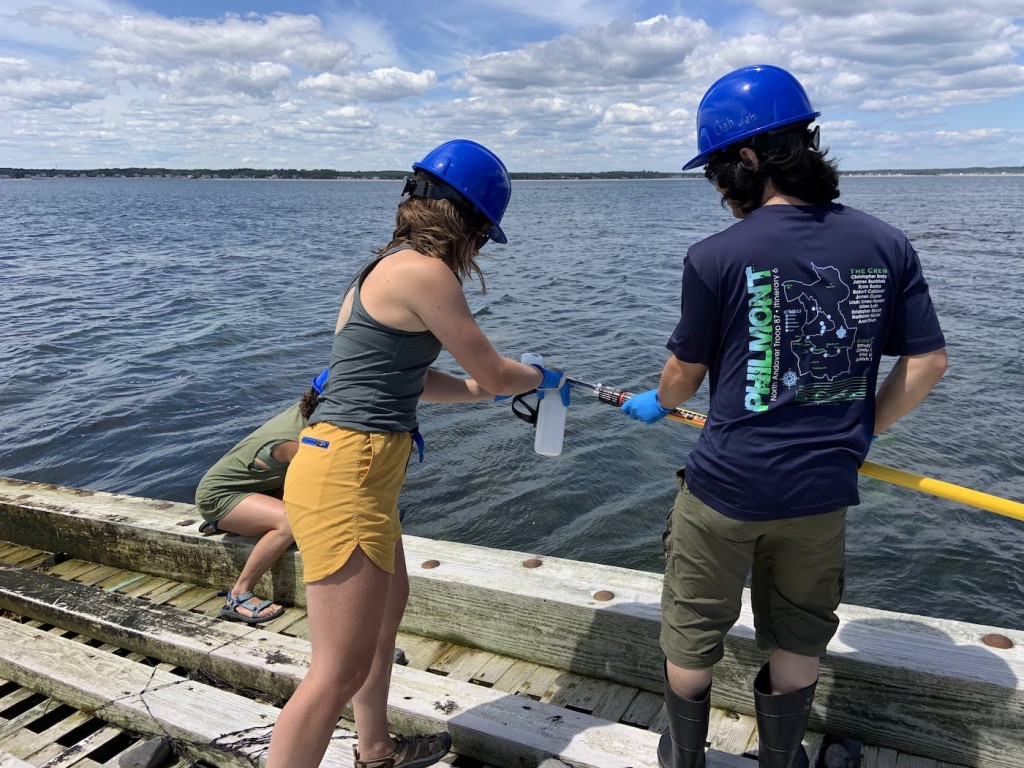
<point>331,174</point>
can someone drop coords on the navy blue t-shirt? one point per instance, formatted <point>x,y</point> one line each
<point>791,309</point>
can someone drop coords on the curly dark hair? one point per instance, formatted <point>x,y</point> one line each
<point>308,403</point>
<point>789,158</point>
<point>442,229</point>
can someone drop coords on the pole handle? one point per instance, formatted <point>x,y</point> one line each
<point>929,485</point>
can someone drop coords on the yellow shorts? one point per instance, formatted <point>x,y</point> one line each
<point>341,491</point>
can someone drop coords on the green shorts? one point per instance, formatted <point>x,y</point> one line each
<point>797,569</point>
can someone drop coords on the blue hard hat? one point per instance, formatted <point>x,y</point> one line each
<point>320,382</point>
<point>477,174</point>
<point>746,102</point>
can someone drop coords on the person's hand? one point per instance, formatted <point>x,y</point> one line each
<point>645,407</point>
<point>553,379</point>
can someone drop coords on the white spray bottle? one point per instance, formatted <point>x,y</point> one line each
<point>550,427</point>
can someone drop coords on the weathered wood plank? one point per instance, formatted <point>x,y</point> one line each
<point>72,755</point>
<point>168,592</point>
<point>55,732</point>
<point>525,678</point>
<point>26,557</point>
<point>875,757</point>
<point>141,699</point>
<point>599,698</point>
<point>487,724</point>
<point>732,731</point>
<point>494,668</point>
<point>18,721</point>
<point>460,663</point>
<point>421,652</point>
<point>72,569</point>
<point>643,709</point>
<point>14,554</point>
<point>924,685</point>
<point>8,760</point>
<point>912,761</point>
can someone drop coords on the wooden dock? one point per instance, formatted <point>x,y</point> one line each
<point>115,640</point>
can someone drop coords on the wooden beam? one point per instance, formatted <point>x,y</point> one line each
<point>8,760</point>
<point>908,682</point>
<point>144,700</point>
<point>486,724</point>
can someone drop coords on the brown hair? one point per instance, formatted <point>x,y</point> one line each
<point>440,229</point>
<point>308,403</point>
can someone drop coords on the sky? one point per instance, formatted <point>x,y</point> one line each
<point>549,85</point>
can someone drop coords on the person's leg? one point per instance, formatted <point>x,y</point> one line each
<point>796,586</point>
<point>263,516</point>
<point>688,717</point>
<point>792,671</point>
<point>781,721</point>
<point>370,703</point>
<point>707,557</point>
<point>346,615</point>
<point>688,683</point>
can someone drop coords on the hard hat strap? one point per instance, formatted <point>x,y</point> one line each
<point>434,191</point>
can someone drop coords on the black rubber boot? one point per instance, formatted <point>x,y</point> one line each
<point>682,746</point>
<point>781,722</point>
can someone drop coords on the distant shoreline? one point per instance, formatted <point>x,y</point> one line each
<point>327,174</point>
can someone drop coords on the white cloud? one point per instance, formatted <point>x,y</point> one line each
<point>387,84</point>
<point>841,8</point>
<point>37,93</point>
<point>599,56</point>
<point>571,13</point>
<point>293,39</point>
<point>12,68</point>
<point>573,85</point>
<point>232,79</point>
<point>351,116</point>
<point>629,114</point>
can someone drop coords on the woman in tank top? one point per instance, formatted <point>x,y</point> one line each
<point>342,487</point>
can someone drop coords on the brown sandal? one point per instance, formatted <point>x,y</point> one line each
<point>410,752</point>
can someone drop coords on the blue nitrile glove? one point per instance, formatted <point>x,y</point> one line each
<point>553,379</point>
<point>645,407</point>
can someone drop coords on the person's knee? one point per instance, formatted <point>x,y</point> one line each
<point>281,528</point>
<point>337,684</point>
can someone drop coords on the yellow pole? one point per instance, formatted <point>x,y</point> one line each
<point>929,485</point>
<point>944,490</point>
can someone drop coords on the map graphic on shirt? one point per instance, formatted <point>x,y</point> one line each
<point>823,341</point>
<point>808,339</point>
<point>823,336</point>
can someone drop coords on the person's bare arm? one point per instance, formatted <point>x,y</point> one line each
<point>437,299</point>
<point>441,387</point>
<point>907,384</point>
<point>679,382</point>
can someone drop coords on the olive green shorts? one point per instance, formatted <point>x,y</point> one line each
<point>796,567</point>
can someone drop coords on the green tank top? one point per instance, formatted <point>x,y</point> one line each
<point>377,372</point>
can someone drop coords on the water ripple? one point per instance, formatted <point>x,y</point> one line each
<point>151,324</point>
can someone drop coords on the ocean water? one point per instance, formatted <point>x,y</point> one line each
<point>149,324</point>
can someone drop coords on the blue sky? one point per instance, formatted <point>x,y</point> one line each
<point>550,85</point>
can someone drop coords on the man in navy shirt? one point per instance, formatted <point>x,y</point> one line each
<point>788,312</point>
